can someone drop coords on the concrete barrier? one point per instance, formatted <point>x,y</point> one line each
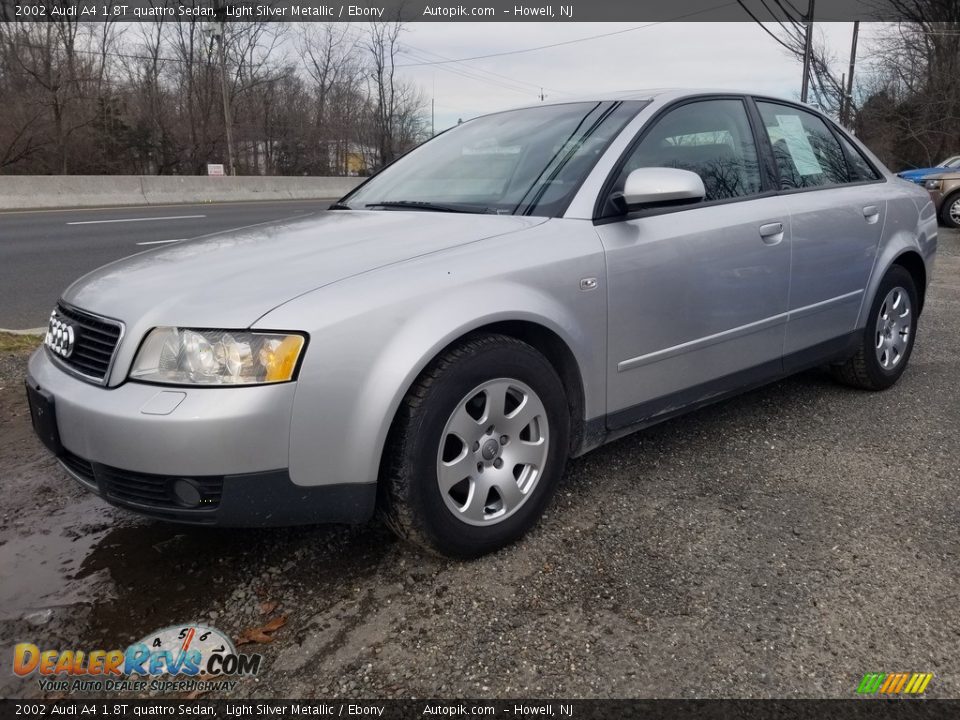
<point>28,192</point>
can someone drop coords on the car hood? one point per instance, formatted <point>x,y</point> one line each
<point>232,279</point>
<point>919,172</point>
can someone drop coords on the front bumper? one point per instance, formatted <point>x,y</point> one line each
<point>198,455</point>
<point>937,197</point>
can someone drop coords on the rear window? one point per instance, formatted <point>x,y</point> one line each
<point>860,168</point>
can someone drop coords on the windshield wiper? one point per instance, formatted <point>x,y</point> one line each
<point>429,206</point>
<point>339,206</point>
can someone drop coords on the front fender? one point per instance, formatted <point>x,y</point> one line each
<point>383,328</point>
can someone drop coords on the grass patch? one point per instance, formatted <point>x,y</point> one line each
<point>18,343</point>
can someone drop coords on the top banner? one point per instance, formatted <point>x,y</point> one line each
<point>452,10</point>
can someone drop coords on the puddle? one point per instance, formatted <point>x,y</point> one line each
<point>45,570</point>
<point>90,554</point>
<point>77,570</point>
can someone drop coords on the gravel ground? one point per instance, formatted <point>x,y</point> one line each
<point>781,544</point>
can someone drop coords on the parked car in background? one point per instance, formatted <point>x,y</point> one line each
<point>518,290</point>
<point>918,175</point>
<point>944,190</point>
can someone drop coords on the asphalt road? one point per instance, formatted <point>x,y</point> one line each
<point>42,252</point>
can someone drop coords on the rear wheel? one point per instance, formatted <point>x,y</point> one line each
<point>477,448</point>
<point>888,338</point>
<point>950,210</point>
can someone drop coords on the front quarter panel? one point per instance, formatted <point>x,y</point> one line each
<point>371,335</point>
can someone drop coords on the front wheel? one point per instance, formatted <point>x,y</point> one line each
<point>887,340</point>
<point>476,449</point>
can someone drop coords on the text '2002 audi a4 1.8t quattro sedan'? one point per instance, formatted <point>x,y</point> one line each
<point>516,291</point>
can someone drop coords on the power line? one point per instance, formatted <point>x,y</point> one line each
<point>781,4</point>
<point>473,76</point>
<point>470,76</point>
<point>521,87</point>
<point>749,12</point>
<point>515,81</point>
<point>574,41</point>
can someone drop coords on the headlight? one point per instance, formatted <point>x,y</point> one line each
<point>216,357</point>
<point>932,184</point>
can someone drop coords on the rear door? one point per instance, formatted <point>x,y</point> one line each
<point>836,220</point>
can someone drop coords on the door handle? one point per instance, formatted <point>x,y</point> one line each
<point>871,213</point>
<point>771,233</point>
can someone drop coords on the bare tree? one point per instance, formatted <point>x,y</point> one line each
<point>389,95</point>
<point>332,64</point>
<point>911,105</point>
<point>91,98</point>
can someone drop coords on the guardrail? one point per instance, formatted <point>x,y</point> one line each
<point>28,192</point>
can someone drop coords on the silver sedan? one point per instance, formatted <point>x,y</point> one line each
<point>516,291</point>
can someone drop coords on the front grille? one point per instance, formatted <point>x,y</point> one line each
<point>148,494</point>
<point>78,466</point>
<point>95,341</point>
<point>155,491</point>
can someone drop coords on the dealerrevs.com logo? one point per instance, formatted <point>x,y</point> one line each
<point>175,659</point>
<point>894,683</point>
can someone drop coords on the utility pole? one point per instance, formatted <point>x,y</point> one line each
<point>846,113</point>
<point>220,10</point>
<point>227,119</point>
<point>807,52</point>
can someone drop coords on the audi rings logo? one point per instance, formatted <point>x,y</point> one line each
<point>60,336</point>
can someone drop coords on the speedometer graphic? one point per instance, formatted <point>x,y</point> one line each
<point>182,650</point>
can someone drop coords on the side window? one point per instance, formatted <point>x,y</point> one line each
<point>711,138</point>
<point>807,153</point>
<point>860,169</point>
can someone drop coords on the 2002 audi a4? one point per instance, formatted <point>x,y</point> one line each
<point>518,290</point>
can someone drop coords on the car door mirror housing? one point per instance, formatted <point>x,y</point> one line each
<point>659,187</point>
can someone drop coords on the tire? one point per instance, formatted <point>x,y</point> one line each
<point>950,210</point>
<point>887,340</point>
<point>441,432</point>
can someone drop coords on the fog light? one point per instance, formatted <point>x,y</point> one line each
<point>186,492</point>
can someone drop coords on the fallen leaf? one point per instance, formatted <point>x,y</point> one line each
<point>262,634</point>
<point>268,607</point>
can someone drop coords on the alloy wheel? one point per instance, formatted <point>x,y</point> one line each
<point>492,452</point>
<point>894,324</point>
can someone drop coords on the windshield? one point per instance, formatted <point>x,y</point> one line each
<point>951,162</point>
<point>528,161</point>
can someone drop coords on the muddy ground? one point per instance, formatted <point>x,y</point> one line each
<point>778,545</point>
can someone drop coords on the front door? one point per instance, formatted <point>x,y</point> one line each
<point>697,295</point>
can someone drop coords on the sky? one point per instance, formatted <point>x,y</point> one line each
<point>725,55</point>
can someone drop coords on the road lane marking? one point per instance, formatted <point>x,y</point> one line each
<point>143,219</point>
<point>161,242</point>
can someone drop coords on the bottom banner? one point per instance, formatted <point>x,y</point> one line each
<point>525,709</point>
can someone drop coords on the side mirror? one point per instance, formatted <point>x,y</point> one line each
<point>653,186</point>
